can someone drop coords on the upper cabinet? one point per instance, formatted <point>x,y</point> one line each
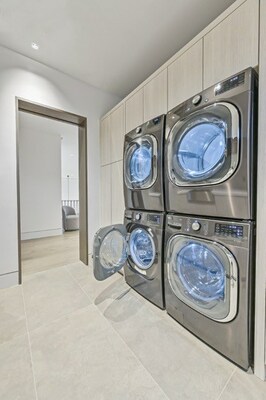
<point>233,44</point>
<point>185,75</point>
<point>117,132</point>
<point>134,110</point>
<point>105,141</point>
<point>155,96</point>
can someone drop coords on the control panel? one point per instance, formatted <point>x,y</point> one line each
<point>229,230</point>
<point>231,83</point>
<point>224,231</point>
<point>144,218</point>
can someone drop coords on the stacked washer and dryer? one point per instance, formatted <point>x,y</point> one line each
<point>187,242</point>
<point>137,245</point>
<point>210,189</point>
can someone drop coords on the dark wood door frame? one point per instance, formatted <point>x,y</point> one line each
<point>81,122</point>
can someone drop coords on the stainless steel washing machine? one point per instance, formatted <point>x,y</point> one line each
<point>210,151</point>
<point>138,247</point>
<point>209,277</point>
<point>143,166</point>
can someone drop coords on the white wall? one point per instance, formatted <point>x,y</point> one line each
<point>69,147</point>
<point>40,179</point>
<point>70,163</point>
<point>23,77</point>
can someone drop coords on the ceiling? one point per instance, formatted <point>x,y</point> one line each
<point>111,44</point>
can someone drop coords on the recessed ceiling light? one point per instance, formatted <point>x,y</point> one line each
<point>35,46</point>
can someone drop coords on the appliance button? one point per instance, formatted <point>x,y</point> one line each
<point>138,217</point>
<point>196,226</point>
<point>138,129</point>
<point>196,100</point>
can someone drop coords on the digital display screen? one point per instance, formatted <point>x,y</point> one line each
<point>229,230</point>
<point>154,218</point>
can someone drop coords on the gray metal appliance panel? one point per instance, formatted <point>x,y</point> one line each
<point>151,285</point>
<point>236,197</point>
<point>233,339</point>
<point>151,198</point>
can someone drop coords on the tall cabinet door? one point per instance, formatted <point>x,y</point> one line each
<point>117,129</point>
<point>134,110</point>
<point>155,96</point>
<point>233,44</point>
<point>105,196</point>
<point>118,204</point>
<point>105,141</point>
<point>185,76</point>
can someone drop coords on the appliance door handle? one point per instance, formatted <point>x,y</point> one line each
<point>175,225</point>
<point>154,161</point>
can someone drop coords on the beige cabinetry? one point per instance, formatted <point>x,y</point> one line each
<point>105,196</point>
<point>117,132</point>
<point>118,205</point>
<point>185,75</point>
<point>112,196</point>
<point>233,44</point>
<point>111,180</point>
<point>134,110</point>
<point>105,141</point>
<point>155,96</point>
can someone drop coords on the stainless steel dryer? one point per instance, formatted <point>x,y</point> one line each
<point>137,246</point>
<point>209,281</point>
<point>210,151</point>
<point>143,166</point>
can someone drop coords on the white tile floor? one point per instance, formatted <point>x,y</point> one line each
<point>64,335</point>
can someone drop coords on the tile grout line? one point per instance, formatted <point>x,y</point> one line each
<point>75,280</point>
<point>117,334</point>
<point>30,350</point>
<point>132,352</point>
<point>226,383</point>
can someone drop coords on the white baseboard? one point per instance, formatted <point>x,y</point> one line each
<point>41,234</point>
<point>8,280</point>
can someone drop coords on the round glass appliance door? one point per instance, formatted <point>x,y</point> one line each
<point>204,275</point>
<point>201,272</point>
<point>113,250</point>
<point>203,148</point>
<point>140,164</point>
<point>140,171</point>
<point>142,248</point>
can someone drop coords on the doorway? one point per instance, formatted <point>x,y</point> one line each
<point>80,123</point>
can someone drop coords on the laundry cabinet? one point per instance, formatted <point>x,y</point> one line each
<point>233,44</point>
<point>185,75</point>
<point>155,96</point>
<point>105,195</point>
<point>134,110</point>
<point>105,141</point>
<point>117,132</point>
<point>117,193</point>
